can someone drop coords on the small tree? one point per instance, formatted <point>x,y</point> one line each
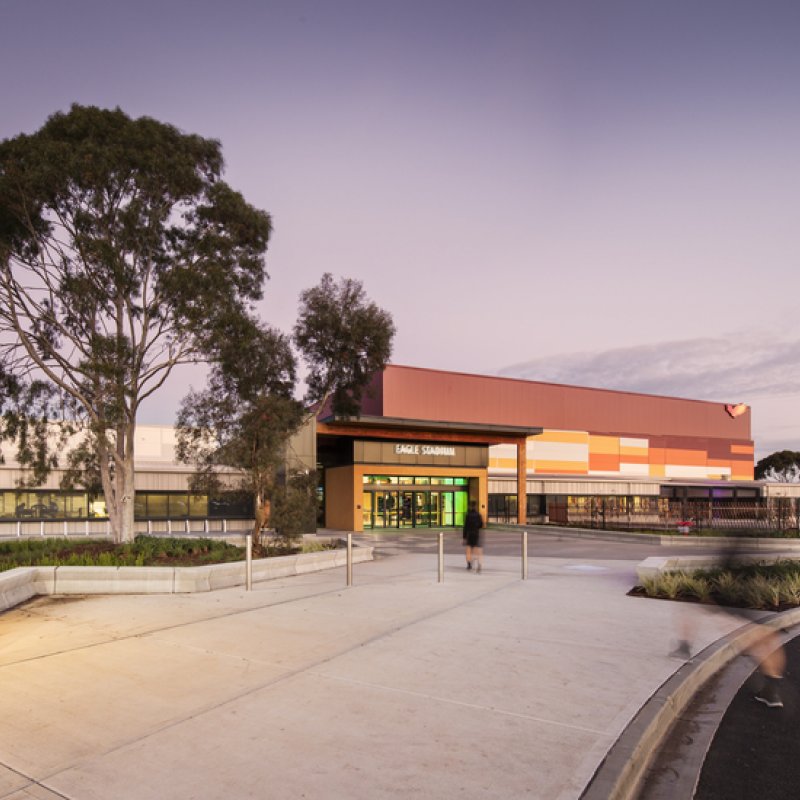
<point>244,419</point>
<point>293,510</point>
<point>122,255</point>
<point>782,466</point>
<point>247,415</point>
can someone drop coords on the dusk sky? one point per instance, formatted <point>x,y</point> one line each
<point>597,193</point>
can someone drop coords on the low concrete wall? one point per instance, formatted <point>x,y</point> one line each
<point>750,543</point>
<point>658,565</point>
<point>23,583</point>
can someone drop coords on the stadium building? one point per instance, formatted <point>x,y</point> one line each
<point>427,442</point>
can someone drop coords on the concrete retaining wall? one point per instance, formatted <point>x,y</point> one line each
<point>657,565</point>
<point>23,583</point>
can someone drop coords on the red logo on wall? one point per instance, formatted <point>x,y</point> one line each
<point>736,410</point>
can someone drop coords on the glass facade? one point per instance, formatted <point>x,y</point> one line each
<point>413,502</point>
<point>55,505</point>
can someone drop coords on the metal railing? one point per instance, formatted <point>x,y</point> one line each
<point>102,528</point>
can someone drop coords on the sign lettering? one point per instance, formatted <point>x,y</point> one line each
<point>424,450</point>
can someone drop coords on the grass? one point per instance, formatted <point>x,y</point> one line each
<point>771,587</point>
<point>144,551</point>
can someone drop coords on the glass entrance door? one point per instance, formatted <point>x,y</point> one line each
<point>414,509</point>
<point>385,510</point>
<point>406,509</point>
<point>422,509</point>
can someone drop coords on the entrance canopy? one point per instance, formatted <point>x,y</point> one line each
<point>437,466</point>
<point>400,428</point>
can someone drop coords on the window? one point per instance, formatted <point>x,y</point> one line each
<point>157,505</point>
<point>178,505</point>
<point>198,505</point>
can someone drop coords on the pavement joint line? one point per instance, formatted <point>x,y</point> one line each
<point>449,701</point>
<point>308,668</point>
<point>164,628</point>
<point>31,782</point>
<point>188,623</point>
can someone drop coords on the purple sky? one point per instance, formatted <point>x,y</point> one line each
<point>600,193</point>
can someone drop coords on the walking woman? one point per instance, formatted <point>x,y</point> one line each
<point>473,524</point>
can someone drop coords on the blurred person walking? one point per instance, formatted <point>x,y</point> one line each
<point>473,525</point>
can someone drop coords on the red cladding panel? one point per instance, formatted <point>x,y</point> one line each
<point>415,393</point>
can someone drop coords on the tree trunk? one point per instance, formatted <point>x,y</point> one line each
<point>117,476</point>
<point>127,531</point>
<point>261,514</point>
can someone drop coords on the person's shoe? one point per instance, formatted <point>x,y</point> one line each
<point>469,565</point>
<point>769,695</point>
<point>479,566</point>
<point>683,650</point>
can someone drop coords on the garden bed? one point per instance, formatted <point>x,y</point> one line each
<point>769,587</point>
<point>144,551</point>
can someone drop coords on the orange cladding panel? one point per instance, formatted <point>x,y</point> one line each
<point>606,462</point>
<point>688,458</point>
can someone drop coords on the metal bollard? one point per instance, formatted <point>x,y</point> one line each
<point>349,559</point>
<point>248,577</point>
<point>441,556</point>
<point>524,555</point>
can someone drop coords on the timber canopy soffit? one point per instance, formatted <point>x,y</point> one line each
<point>388,427</point>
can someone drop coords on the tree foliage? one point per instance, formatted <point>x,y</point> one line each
<point>122,255</point>
<point>32,416</point>
<point>783,466</point>
<point>344,339</point>
<point>244,417</point>
<point>247,415</point>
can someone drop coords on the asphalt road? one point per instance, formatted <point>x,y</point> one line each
<point>508,543</point>
<point>755,753</point>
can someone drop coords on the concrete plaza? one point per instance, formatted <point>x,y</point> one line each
<point>483,686</point>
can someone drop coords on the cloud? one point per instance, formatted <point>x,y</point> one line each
<point>736,368</point>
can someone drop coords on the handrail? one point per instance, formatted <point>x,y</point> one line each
<point>101,528</point>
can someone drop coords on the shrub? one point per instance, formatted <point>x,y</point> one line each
<point>789,590</point>
<point>698,586</point>
<point>728,589</point>
<point>760,592</point>
<point>760,585</point>
<point>144,550</point>
<point>671,584</point>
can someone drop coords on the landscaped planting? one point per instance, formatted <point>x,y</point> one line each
<point>771,587</point>
<point>144,551</point>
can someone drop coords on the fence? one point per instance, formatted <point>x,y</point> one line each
<point>102,528</point>
<point>768,515</point>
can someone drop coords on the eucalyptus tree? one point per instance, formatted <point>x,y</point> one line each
<point>344,339</point>
<point>236,430</point>
<point>247,414</point>
<point>123,254</point>
<point>782,466</point>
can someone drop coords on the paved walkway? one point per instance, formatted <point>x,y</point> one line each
<point>484,686</point>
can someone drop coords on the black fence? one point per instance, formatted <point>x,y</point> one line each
<point>769,515</point>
